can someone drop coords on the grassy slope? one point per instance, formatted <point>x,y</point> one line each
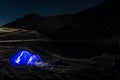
<point>16,34</point>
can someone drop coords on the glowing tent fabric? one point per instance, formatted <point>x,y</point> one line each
<point>25,58</point>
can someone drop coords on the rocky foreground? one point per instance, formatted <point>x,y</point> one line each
<point>104,67</point>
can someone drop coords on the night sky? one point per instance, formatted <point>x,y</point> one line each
<point>12,9</point>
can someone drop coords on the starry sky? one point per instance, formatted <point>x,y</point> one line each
<point>13,9</point>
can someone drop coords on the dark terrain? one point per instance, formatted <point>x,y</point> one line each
<point>104,67</point>
<point>81,46</point>
<point>100,22</point>
<point>89,33</point>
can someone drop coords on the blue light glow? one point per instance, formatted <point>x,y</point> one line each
<point>25,58</point>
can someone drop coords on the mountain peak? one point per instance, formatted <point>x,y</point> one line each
<point>102,21</point>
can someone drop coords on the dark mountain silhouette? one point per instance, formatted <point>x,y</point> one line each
<point>102,21</point>
<point>27,22</point>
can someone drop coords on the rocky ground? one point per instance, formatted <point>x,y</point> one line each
<point>104,67</point>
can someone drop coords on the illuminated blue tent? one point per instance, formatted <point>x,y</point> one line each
<point>25,58</point>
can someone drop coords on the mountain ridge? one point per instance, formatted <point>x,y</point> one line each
<point>99,22</point>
